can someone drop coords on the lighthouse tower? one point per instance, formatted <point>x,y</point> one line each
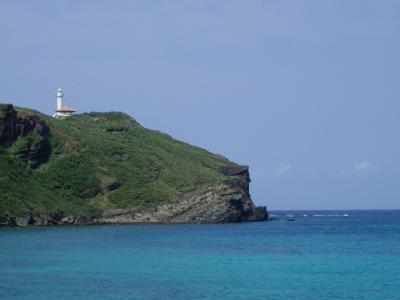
<point>59,96</point>
<point>62,111</point>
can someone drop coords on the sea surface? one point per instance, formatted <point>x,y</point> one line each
<point>321,255</point>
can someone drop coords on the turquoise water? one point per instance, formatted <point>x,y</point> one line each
<point>325,256</point>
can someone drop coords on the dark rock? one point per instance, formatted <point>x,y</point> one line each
<point>8,118</point>
<point>6,220</point>
<point>42,128</point>
<point>259,214</point>
<point>57,218</point>
<point>39,153</point>
<point>113,186</point>
<point>35,153</point>
<point>117,129</point>
<point>132,122</point>
<point>83,220</point>
<point>235,170</point>
<point>24,126</point>
<point>241,182</point>
<point>14,125</point>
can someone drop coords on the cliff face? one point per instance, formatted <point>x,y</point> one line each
<point>223,203</point>
<point>36,149</point>
<point>8,118</point>
<point>135,175</point>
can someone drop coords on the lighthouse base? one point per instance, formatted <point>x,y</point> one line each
<point>61,115</point>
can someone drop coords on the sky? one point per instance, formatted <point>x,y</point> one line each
<point>307,93</point>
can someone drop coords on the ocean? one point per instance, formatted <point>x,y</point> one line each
<point>321,255</point>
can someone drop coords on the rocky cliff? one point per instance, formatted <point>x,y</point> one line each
<point>226,202</point>
<point>83,171</point>
<point>13,125</point>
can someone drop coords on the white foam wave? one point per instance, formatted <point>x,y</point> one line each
<point>331,215</point>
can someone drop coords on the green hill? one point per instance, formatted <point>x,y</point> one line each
<point>91,163</point>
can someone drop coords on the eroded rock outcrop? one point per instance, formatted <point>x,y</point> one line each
<point>36,148</point>
<point>45,220</point>
<point>8,117</point>
<point>223,203</point>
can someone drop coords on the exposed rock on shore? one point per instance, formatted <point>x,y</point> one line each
<point>224,203</point>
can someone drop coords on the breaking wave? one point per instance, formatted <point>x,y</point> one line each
<point>329,215</point>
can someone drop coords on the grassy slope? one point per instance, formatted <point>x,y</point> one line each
<point>104,160</point>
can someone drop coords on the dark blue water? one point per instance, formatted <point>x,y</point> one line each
<point>324,255</point>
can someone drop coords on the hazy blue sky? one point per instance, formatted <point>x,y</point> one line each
<point>305,92</point>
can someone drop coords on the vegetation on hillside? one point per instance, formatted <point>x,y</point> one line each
<point>100,161</point>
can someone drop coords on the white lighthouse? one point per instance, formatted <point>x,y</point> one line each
<point>59,96</point>
<point>62,111</point>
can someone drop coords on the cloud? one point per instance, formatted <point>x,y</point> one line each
<point>282,170</point>
<point>363,167</point>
